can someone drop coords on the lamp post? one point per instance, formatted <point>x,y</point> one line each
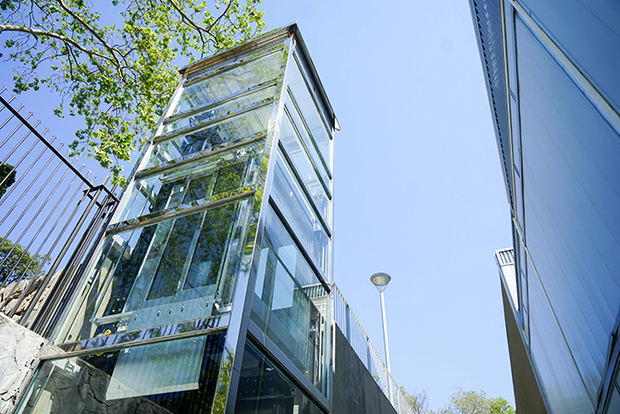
<point>380,280</point>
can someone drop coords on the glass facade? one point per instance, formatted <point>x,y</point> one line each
<point>211,289</point>
<point>226,219</point>
<point>176,376</point>
<point>564,142</point>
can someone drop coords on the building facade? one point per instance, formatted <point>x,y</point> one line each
<point>211,291</point>
<point>552,71</point>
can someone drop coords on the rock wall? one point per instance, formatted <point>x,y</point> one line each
<point>19,350</point>
<point>14,291</point>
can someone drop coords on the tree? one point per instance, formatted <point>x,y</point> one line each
<point>115,61</point>
<point>461,402</point>
<point>7,177</point>
<point>500,406</point>
<point>476,402</point>
<point>417,401</point>
<point>16,261</point>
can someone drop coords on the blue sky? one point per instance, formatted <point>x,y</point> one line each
<point>418,187</point>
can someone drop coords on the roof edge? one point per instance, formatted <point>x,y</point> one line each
<point>303,49</point>
<point>269,37</point>
<point>259,41</point>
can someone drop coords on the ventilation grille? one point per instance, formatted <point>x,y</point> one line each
<point>488,24</point>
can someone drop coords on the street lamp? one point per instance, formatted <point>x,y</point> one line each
<point>380,280</point>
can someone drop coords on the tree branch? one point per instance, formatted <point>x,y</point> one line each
<point>220,16</point>
<point>105,44</point>
<point>191,22</point>
<point>45,33</point>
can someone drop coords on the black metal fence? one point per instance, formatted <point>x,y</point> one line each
<point>51,214</point>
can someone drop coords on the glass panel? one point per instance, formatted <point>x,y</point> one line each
<point>299,157</point>
<point>309,111</point>
<point>225,109</point>
<point>289,302</point>
<point>223,65</point>
<point>559,376</point>
<point>301,130</point>
<point>516,133</point>
<point>206,262</point>
<point>510,48</point>
<point>572,198</point>
<point>598,52</point>
<point>213,137</point>
<point>174,257</point>
<point>156,275</point>
<point>192,183</point>
<point>170,377</point>
<point>519,199</point>
<point>229,81</point>
<point>613,406</point>
<point>263,388</point>
<point>299,214</point>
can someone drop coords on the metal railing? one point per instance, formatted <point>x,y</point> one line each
<point>365,350</point>
<point>51,213</point>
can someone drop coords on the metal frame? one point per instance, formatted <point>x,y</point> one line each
<point>91,211</point>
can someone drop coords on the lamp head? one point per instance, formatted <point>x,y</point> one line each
<point>380,280</point>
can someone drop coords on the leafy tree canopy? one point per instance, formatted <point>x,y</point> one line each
<point>16,261</point>
<point>476,402</point>
<point>114,62</point>
<point>417,401</point>
<point>462,402</point>
<point>7,177</point>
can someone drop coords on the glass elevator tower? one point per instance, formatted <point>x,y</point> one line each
<point>212,279</point>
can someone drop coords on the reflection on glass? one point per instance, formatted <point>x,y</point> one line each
<point>555,365</point>
<point>309,111</point>
<point>230,81</point>
<point>296,152</point>
<point>293,114</point>
<point>190,183</point>
<point>289,302</point>
<point>225,109</point>
<point>213,137</point>
<point>263,388</point>
<point>176,376</point>
<point>598,53</point>
<point>156,275</point>
<point>299,214</point>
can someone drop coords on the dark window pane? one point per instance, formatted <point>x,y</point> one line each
<point>173,260</point>
<point>264,389</point>
<point>197,189</point>
<point>207,259</point>
<point>127,269</point>
<point>229,178</point>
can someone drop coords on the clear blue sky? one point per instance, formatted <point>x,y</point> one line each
<point>418,187</point>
